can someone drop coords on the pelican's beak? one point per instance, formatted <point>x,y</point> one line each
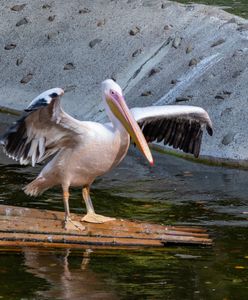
<point>119,108</point>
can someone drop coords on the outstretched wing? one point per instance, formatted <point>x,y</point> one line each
<point>42,130</point>
<point>176,125</point>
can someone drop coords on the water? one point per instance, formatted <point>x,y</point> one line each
<point>237,7</point>
<point>176,192</point>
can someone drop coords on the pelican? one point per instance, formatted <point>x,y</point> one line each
<point>84,150</point>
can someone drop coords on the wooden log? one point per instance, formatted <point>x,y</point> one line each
<point>34,227</point>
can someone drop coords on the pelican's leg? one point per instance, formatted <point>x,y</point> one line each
<point>91,216</point>
<point>68,223</point>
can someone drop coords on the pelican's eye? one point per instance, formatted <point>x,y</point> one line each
<point>114,95</point>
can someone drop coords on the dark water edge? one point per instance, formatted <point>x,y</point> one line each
<point>176,192</point>
<point>239,8</point>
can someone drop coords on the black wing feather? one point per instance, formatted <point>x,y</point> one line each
<point>16,142</point>
<point>184,134</point>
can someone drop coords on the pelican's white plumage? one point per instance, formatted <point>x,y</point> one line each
<point>84,150</point>
<point>171,111</point>
<point>45,98</point>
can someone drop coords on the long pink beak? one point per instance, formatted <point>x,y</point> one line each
<point>119,108</point>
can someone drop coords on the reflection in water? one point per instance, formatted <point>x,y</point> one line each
<point>66,281</point>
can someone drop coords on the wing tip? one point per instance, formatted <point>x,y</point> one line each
<point>196,155</point>
<point>210,130</point>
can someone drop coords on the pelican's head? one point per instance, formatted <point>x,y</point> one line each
<point>114,99</point>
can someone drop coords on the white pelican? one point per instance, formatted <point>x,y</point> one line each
<point>84,150</point>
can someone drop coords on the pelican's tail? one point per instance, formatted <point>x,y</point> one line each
<point>36,187</point>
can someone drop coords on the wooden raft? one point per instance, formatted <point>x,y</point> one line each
<point>34,227</point>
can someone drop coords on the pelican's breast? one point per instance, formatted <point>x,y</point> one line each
<point>109,145</point>
<point>102,148</point>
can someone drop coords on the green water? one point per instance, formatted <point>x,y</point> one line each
<point>173,192</point>
<point>237,7</point>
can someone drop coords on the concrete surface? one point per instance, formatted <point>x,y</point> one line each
<point>160,52</point>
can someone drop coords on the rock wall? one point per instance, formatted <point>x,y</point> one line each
<point>160,52</point>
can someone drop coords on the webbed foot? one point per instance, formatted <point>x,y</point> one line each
<point>95,218</point>
<point>73,225</point>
